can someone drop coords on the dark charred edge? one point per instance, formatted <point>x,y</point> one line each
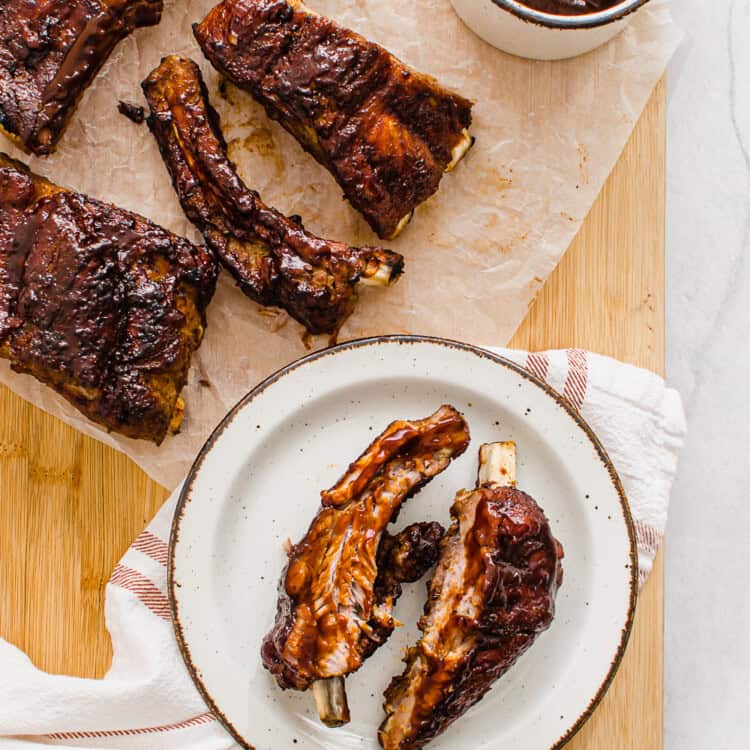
<point>585,21</point>
<point>560,400</point>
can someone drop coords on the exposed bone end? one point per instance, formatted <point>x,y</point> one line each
<point>460,149</point>
<point>330,700</point>
<point>401,225</point>
<point>497,464</point>
<point>382,276</point>
<point>383,271</point>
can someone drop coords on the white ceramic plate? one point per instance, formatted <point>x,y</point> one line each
<point>256,483</point>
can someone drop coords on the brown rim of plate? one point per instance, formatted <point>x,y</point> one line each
<point>401,339</point>
<point>583,21</point>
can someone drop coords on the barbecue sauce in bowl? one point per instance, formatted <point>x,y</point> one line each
<point>570,7</point>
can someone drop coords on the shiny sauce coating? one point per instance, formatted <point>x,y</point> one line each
<point>386,132</point>
<point>337,593</point>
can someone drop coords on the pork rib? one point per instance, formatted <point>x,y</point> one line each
<point>337,592</point>
<point>99,303</point>
<point>273,258</point>
<point>50,51</point>
<point>385,132</point>
<point>403,558</point>
<point>492,593</point>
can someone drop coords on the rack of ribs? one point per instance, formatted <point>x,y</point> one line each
<point>492,593</point>
<point>273,258</point>
<point>98,303</point>
<point>337,593</point>
<point>385,132</point>
<point>50,52</point>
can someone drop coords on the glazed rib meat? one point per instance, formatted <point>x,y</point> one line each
<point>337,592</point>
<point>273,258</point>
<point>50,51</point>
<point>492,593</point>
<point>385,132</point>
<point>98,303</point>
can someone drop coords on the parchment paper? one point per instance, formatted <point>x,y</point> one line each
<point>477,253</point>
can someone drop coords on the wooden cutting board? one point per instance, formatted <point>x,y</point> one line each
<point>70,507</point>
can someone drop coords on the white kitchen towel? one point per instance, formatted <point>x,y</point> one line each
<point>147,699</point>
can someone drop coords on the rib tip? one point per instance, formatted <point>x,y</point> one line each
<point>497,464</point>
<point>331,701</point>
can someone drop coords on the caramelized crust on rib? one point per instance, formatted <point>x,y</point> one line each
<point>50,51</point>
<point>273,258</point>
<point>493,592</point>
<point>385,132</point>
<point>100,304</point>
<point>337,593</point>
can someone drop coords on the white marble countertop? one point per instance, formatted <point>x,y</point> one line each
<point>708,325</point>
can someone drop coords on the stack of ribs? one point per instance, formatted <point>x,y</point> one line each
<point>385,132</point>
<point>50,51</point>
<point>337,594</point>
<point>273,258</point>
<point>99,303</point>
<point>492,593</point>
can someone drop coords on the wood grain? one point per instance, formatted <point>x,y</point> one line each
<point>69,506</point>
<point>607,296</point>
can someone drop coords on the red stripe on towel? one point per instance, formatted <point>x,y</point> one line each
<point>648,538</point>
<point>135,582</point>
<point>150,544</point>
<point>537,364</point>
<point>196,721</point>
<point>576,382</point>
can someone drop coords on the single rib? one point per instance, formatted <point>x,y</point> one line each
<point>492,593</point>
<point>385,132</point>
<point>337,593</point>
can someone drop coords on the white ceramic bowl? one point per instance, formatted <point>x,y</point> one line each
<point>515,28</point>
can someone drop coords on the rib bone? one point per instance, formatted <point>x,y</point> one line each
<point>330,700</point>
<point>497,464</point>
<point>492,593</point>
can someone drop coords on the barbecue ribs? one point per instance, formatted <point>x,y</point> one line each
<point>50,51</point>
<point>337,593</point>
<point>385,132</point>
<point>98,303</point>
<point>492,593</point>
<point>273,258</point>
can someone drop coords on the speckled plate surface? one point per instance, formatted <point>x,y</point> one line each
<point>256,483</point>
